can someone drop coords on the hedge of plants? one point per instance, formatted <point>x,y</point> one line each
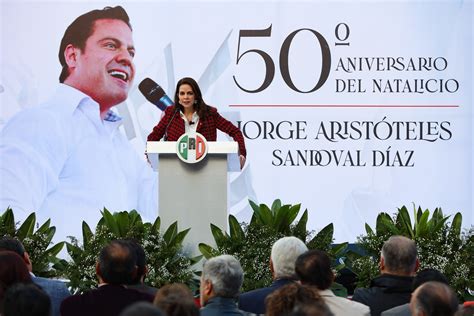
<point>441,242</point>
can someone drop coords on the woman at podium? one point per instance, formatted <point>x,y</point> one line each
<point>191,114</point>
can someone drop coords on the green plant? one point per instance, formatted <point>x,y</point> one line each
<point>441,245</point>
<point>251,243</point>
<point>166,263</point>
<point>36,242</point>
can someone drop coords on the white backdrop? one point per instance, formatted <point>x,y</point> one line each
<point>399,74</point>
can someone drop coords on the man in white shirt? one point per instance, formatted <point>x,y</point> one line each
<point>66,159</point>
<point>314,269</point>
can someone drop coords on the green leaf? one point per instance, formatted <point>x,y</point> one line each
<point>109,221</point>
<point>422,229</point>
<point>50,234</point>
<point>26,229</point>
<point>276,205</point>
<point>123,223</point>
<point>236,231</point>
<point>300,228</point>
<point>8,220</point>
<point>86,234</point>
<point>156,225</point>
<point>280,222</point>
<point>178,239</point>
<point>264,215</point>
<point>323,239</point>
<point>206,250</point>
<point>43,228</point>
<point>405,222</point>
<point>170,233</point>
<point>456,225</point>
<point>339,249</point>
<point>74,251</point>
<point>54,250</point>
<point>385,225</point>
<point>368,229</point>
<point>219,236</point>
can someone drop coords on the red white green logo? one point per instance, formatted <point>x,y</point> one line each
<point>191,147</point>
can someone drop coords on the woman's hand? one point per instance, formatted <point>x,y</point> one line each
<point>242,162</point>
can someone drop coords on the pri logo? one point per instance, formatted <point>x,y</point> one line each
<point>191,147</point>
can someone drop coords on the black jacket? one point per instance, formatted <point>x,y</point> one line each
<point>385,292</point>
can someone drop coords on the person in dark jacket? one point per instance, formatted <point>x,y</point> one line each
<point>282,266</point>
<point>116,267</point>
<point>221,280</point>
<point>398,265</point>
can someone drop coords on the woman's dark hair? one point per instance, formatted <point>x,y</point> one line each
<point>82,28</point>
<point>13,270</point>
<point>200,106</point>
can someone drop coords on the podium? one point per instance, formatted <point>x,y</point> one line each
<point>195,195</point>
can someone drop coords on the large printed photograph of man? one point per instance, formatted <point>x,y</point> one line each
<point>66,158</point>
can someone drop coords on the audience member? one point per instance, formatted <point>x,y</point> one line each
<point>12,270</point>
<point>138,282</point>
<point>142,309</point>
<point>421,277</point>
<point>398,264</point>
<point>221,279</point>
<point>116,267</point>
<point>434,299</point>
<point>283,300</point>
<point>311,309</point>
<point>56,290</point>
<point>314,269</point>
<point>282,266</point>
<point>176,300</point>
<point>26,300</point>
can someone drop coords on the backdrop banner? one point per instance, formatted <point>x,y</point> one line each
<point>350,108</point>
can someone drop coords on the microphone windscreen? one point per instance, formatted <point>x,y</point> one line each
<point>151,90</point>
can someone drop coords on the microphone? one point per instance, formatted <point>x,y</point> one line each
<point>154,93</point>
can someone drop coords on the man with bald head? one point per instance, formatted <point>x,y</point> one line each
<point>398,265</point>
<point>117,266</point>
<point>433,299</point>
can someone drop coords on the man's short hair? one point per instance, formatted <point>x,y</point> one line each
<point>399,254</point>
<point>314,268</point>
<point>117,262</point>
<point>427,275</point>
<point>284,253</point>
<point>435,299</point>
<point>82,28</point>
<point>12,244</point>
<point>225,274</point>
<point>141,260</point>
<point>26,299</point>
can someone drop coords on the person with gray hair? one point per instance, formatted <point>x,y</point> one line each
<point>398,264</point>
<point>434,299</point>
<point>221,280</point>
<point>282,266</point>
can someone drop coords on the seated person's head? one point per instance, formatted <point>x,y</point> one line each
<point>13,270</point>
<point>26,300</point>
<point>117,263</point>
<point>176,299</point>
<point>399,256</point>
<point>222,276</point>
<point>283,256</point>
<point>433,299</point>
<point>142,309</point>
<point>284,300</point>
<point>314,268</point>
